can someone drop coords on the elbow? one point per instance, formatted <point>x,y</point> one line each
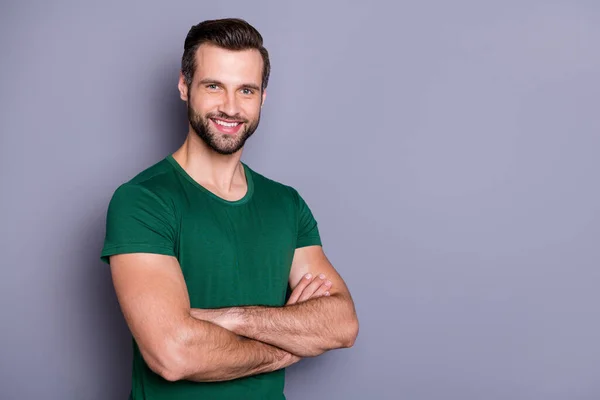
<point>167,360</point>
<point>171,372</point>
<point>350,333</point>
<point>344,338</point>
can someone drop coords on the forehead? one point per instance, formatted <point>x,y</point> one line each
<point>228,65</point>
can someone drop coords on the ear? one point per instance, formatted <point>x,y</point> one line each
<point>264,97</point>
<point>183,87</point>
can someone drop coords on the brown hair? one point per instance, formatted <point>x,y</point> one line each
<point>228,33</point>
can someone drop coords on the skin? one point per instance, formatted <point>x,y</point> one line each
<point>307,327</point>
<point>178,342</point>
<point>222,174</point>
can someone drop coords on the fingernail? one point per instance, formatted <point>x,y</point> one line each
<point>322,276</point>
<point>328,283</point>
<point>326,293</point>
<point>308,276</point>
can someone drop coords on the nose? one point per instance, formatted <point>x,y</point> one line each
<point>229,105</point>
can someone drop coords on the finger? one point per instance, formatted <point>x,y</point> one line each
<point>323,290</point>
<point>306,279</point>
<point>297,292</point>
<point>312,288</point>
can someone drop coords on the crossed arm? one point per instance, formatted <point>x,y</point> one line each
<point>303,328</point>
<point>178,342</point>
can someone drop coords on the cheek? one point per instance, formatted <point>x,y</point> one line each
<point>203,103</point>
<point>251,109</point>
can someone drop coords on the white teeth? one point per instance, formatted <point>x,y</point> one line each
<point>226,124</point>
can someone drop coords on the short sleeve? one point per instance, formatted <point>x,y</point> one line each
<point>308,230</point>
<point>138,221</point>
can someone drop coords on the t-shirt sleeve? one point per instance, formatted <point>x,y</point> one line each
<point>308,230</point>
<point>138,221</point>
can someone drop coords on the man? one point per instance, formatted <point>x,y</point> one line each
<point>204,251</point>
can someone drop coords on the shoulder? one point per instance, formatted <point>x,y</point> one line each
<point>159,177</point>
<point>155,185</point>
<point>274,187</point>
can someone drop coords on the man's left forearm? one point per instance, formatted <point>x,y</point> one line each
<point>305,329</point>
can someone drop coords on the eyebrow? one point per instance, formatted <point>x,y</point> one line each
<point>207,81</point>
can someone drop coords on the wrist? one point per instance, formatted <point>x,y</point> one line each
<point>236,319</point>
<point>252,320</point>
<point>290,359</point>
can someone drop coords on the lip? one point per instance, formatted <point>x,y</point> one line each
<point>227,120</point>
<point>227,130</point>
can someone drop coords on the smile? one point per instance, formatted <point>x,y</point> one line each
<point>227,124</point>
<point>227,127</point>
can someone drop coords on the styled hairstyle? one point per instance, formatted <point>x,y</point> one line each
<point>227,33</point>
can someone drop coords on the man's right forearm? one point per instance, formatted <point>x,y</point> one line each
<point>210,353</point>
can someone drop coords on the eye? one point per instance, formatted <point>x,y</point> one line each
<point>247,91</point>
<point>212,86</point>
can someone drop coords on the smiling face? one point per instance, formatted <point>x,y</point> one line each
<point>224,98</point>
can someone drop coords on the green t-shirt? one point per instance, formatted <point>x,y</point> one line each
<point>232,253</point>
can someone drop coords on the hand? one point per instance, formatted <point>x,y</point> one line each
<point>292,359</point>
<point>310,288</point>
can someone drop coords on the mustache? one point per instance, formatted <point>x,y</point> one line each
<point>222,115</point>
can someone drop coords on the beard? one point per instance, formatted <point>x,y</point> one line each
<point>221,143</point>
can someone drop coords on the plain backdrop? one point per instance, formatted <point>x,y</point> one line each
<point>449,150</point>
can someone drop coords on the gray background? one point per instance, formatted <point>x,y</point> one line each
<point>448,149</point>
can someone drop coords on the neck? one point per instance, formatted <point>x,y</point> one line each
<point>219,173</point>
